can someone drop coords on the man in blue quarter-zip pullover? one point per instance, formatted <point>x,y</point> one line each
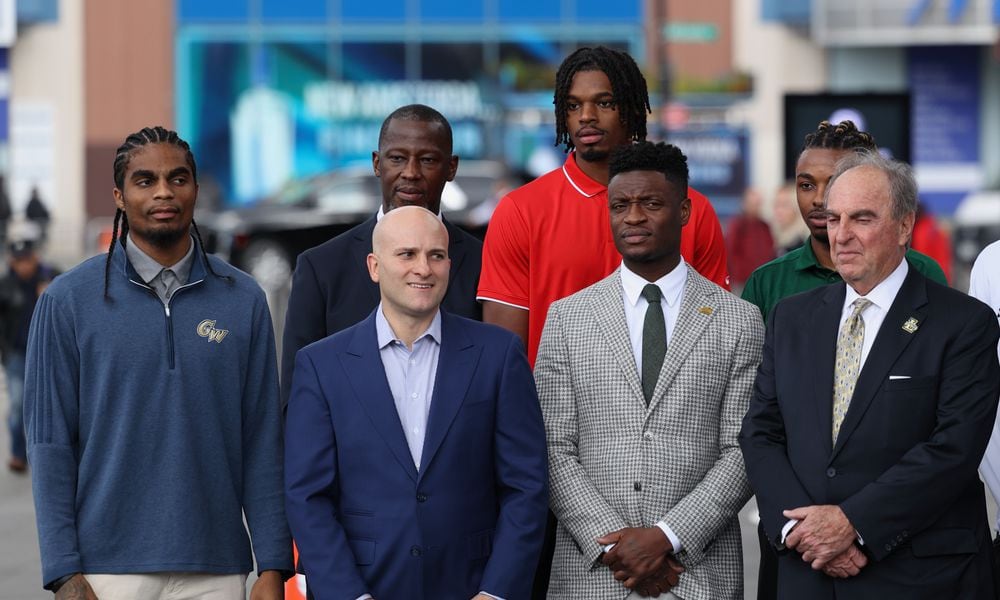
<point>151,407</point>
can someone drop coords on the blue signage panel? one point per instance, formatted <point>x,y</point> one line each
<point>945,92</point>
<point>717,163</point>
<point>37,11</point>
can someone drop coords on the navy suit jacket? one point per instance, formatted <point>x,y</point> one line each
<point>904,468</point>
<point>331,289</point>
<point>366,521</point>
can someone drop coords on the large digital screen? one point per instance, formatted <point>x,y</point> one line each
<point>885,116</point>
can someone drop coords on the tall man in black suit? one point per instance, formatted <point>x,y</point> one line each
<point>331,289</point>
<point>872,408</point>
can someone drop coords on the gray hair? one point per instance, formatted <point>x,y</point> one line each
<point>902,184</point>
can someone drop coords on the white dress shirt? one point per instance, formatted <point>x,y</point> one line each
<point>672,288</point>
<point>881,297</point>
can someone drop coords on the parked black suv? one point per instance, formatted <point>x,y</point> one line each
<point>265,239</point>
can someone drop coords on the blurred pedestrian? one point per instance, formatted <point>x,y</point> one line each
<point>5,212</point>
<point>37,213</point>
<point>152,415</point>
<point>787,227</point>
<point>748,240</point>
<point>20,287</point>
<point>931,239</point>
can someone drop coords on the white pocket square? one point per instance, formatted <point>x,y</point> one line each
<point>895,377</point>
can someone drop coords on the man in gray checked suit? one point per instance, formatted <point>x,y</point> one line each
<point>644,378</point>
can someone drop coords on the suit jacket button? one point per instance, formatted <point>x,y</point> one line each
<point>831,472</point>
<point>637,486</point>
<point>421,498</point>
<point>415,551</point>
<point>647,436</point>
<point>888,547</point>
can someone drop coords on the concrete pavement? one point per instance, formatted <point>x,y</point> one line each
<point>20,573</point>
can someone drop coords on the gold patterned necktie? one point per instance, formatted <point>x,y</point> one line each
<point>845,375</point>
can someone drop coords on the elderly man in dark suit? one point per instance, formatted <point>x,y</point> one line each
<point>872,408</point>
<point>331,289</point>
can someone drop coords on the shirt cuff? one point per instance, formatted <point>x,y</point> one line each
<point>674,540</point>
<point>787,528</point>
<point>365,597</point>
<point>491,595</point>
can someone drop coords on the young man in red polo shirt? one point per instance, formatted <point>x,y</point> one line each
<point>552,237</point>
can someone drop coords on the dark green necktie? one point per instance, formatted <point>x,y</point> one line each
<point>654,340</point>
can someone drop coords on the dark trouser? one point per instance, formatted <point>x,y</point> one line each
<point>14,369</point>
<point>767,575</point>
<point>540,587</point>
<point>996,565</point>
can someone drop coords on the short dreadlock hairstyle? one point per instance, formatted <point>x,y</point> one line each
<point>647,156</point>
<point>139,139</point>
<point>628,87</point>
<point>842,136</point>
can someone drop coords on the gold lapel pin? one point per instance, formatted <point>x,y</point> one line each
<point>705,310</point>
<point>910,326</point>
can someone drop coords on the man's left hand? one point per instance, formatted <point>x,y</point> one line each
<point>822,533</point>
<point>269,586</point>
<point>639,553</point>
<point>665,580</point>
<point>482,597</point>
<point>847,564</point>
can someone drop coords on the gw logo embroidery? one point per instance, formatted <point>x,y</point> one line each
<point>206,329</point>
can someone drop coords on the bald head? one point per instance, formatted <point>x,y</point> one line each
<point>405,218</point>
<point>409,262</point>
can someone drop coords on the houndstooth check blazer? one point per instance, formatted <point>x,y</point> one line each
<point>615,463</point>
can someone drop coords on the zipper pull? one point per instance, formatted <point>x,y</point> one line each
<point>166,309</point>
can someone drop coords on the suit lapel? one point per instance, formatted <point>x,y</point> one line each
<point>826,328</point>
<point>890,342</point>
<point>699,304</point>
<point>366,373</point>
<point>456,365</point>
<point>361,246</point>
<point>609,313</point>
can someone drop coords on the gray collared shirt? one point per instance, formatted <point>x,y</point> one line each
<point>163,280</point>
<point>411,375</point>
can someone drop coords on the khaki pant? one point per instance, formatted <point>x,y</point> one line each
<point>169,586</point>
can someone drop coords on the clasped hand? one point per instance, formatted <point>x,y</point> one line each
<point>825,538</point>
<point>642,559</point>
